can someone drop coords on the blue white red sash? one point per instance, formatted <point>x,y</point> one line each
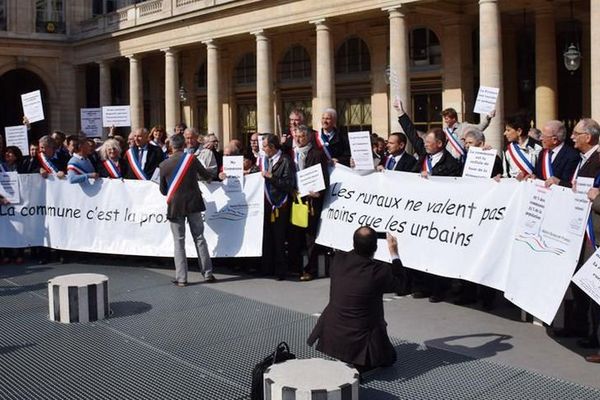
<point>323,143</point>
<point>427,167</point>
<point>454,142</point>
<point>75,168</point>
<point>47,164</point>
<point>180,170</point>
<point>260,162</point>
<point>113,169</point>
<point>547,171</point>
<point>519,158</point>
<point>136,166</point>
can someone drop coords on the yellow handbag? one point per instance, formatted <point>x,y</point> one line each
<point>299,214</point>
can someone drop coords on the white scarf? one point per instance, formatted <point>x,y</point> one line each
<point>300,153</point>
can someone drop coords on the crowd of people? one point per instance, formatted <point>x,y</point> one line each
<point>548,154</point>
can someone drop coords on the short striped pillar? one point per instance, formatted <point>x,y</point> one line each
<point>312,379</point>
<point>78,298</point>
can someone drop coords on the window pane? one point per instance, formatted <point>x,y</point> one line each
<point>245,71</point>
<point>352,57</point>
<point>2,15</point>
<point>50,16</point>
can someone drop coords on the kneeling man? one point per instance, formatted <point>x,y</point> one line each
<point>352,327</point>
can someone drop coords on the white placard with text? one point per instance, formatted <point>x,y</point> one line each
<point>17,136</point>
<point>361,150</point>
<point>32,106</point>
<point>116,116</point>
<point>486,100</point>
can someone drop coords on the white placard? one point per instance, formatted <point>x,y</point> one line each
<point>486,100</point>
<point>588,277</point>
<point>233,167</point>
<point>32,106</point>
<point>116,116</point>
<point>310,179</point>
<point>91,121</point>
<point>580,212</point>
<point>9,187</point>
<point>361,150</point>
<point>17,136</point>
<point>479,163</point>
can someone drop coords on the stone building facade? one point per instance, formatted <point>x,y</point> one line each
<point>237,66</point>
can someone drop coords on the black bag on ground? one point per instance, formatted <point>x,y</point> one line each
<point>281,353</point>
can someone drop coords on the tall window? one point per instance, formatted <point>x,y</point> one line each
<point>50,16</point>
<point>352,57</point>
<point>2,15</point>
<point>425,49</point>
<point>295,65</point>
<point>354,114</point>
<point>201,78</point>
<point>245,71</point>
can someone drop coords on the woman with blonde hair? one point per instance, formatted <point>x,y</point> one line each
<point>111,164</point>
<point>158,137</point>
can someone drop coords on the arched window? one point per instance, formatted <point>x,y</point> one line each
<point>425,49</point>
<point>295,65</point>
<point>352,57</point>
<point>245,71</point>
<point>50,16</point>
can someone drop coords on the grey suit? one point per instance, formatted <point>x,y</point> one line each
<point>186,203</point>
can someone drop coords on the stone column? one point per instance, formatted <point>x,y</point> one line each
<point>136,92</point>
<point>325,69</point>
<point>264,84</point>
<point>545,65</point>
<point>105,93</point>
<point>490,65</point>
<point>212,89</point>
<point>171,89</point>
<point>399,60</point>
<point>595,59</point>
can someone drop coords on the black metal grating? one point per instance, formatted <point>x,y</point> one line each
<point>163,342</point>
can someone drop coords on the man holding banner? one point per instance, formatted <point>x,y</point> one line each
<point>179,182</point>
<point>558,161</point>
<point>142,159</point>
<point>50,161</point>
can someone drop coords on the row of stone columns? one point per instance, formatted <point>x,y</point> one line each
<point>491,66</point>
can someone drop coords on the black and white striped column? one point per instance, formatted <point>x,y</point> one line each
<point>78,298</point>
<point>312,379</point>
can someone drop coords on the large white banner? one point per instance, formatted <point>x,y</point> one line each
<point>128,217</point>
<point>480,230</point>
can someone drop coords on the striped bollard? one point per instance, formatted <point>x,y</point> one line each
<point>78,298</point>
<point>312,379</point>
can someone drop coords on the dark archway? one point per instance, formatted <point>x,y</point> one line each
<point>12,85</point>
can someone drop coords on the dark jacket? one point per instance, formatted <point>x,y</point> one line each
<point>59,159</point>
<point>188,197</point>
<point>283,179</point>
<point>352,327</point>
<point>564,164</point>
<point>339,147</point>
<point>154,157</point>
<point>406,163</point>
<point>316,156</point>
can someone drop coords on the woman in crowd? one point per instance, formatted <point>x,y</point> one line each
<point>158,137</point>
<point>111,163</point>
<point>13,160</point>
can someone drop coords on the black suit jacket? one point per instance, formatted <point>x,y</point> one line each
<point>188,197</point>
<point>153,159</point>
<point>564,164</point>
<point>339,147</point>
<point>447,166</point>
<point>283,179</point>
<point>352,327</point>
<point>406,163</point>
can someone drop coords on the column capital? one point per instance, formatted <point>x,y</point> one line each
<point>170,51</point>
<point>481,2</point>
<point>103,62</point>
<point>260,34</point>
<point>320,23</point>
<point>397,11</point>
<point>134,57</point>
<point>210,43</point>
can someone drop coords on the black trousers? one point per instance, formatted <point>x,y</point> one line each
<point>274,234</point>
<point>304,238</point>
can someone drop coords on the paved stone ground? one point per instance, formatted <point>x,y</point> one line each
<point>164,342</point>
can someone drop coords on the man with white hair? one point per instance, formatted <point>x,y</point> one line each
<point>142,159</point>
<point>195,147</point>
<point>557,162</point>
<point>334,143</point>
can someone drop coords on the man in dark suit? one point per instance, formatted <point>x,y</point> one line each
<point>306,155</point>
<point>352,327</point>
<point>142,159</point>
<point>557,162</point>
<point>334,143</point>
<point>179,182</point>
<point>585,138</point>
<point>279,174</point>
<point>397,159</point>
<point>434,160</point>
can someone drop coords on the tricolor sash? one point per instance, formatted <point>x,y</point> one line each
<point>76,169</point>
<point>47,164</point>
<point>274,206</point>
<point>136,166</point>
<point>589,232</point>
<point>518,157</point>
<point>180,170</point>
<point>454,142</point>
<point>546,165</point>
<point>260,162</point>
<point>323,143</point>
<point>427,167</point>
<point>113,169</point>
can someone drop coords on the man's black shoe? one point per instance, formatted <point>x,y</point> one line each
<point>210,279</point>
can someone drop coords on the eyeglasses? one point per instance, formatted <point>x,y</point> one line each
<point>575,133</point>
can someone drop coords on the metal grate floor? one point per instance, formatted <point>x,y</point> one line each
<point>199,343</point>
